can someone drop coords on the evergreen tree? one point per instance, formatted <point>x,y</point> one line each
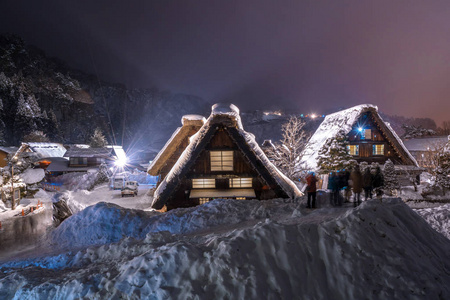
<point>97,140</point>
<point>28,108</point>
<point>391,183</point>
<point>334,155</point>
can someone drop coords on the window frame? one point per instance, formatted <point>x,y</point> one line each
<point>203,183</point>
<point>241,182</point>
<point>350,152</point>
<point>221,163</point>
<point>375,152</point>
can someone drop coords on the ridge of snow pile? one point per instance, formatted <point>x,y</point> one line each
<point>31,176</point>
<point>438,218</point>
<point>107,223</point>
<point>376,251</point>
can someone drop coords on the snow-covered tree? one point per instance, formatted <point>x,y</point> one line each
<point>391,183</point>
<point>97,140</point>
<point>286,154</point>
<point>36,136</point>
<point>334,154</point>
<point>412,131</point>
<point>442,170</point>
<point>28,107</point>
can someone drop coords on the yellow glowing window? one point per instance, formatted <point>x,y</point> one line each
<point>240,198</point>
<point>203,200</point>
<point>378,150</point>
<point>221,160</point>
<point>203,183</point>
<point>241,182</point>
<point>353,150</point>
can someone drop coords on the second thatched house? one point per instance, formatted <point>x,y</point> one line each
<point>222,161</point>
<point>370,140</point>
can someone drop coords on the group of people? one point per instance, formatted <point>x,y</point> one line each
<point>348,181</point>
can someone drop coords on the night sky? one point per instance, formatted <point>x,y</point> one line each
<point>310,56</point>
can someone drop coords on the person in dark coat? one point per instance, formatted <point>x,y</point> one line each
<point>311,189</point>
<point>367,184</point>
<point>378,182</point>
<point>333,187</point>
<point>357,184</point>
<point>347,186</point>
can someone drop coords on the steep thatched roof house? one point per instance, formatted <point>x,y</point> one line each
<point>172,150</point>
<point>222,161</point>
<point>370,139</point>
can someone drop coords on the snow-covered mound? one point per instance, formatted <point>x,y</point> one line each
<point>31,176</point>
<point>106,222</point>
<point>263,250</point>
<point>438,218</point>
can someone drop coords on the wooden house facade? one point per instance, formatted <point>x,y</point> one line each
<point>222,161</point>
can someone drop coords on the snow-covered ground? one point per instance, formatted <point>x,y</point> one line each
<point>231,249</point>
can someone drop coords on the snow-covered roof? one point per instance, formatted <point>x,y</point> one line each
<point>190,123</point>
<point>88,152</point>
<point>43,150</point>
<point>343,120</point>
<point>425,144</point>
<point>9,150</point>
<point>227,114</point>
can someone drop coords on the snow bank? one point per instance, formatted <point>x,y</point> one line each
<point>31,176</point>
<point>438,218</point>
<point>266,250</point>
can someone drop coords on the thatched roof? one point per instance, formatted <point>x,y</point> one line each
<point>345,120</point>
<point>191,124</point>
<point>228,116</point>
<point>88,152</point>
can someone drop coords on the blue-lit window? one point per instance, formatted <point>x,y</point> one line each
<point>378,149</point>
<point>353,150</point>
<point>365,134</point>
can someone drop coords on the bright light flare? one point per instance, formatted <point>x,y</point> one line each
<point>121,162</point>
<point>313,116</point>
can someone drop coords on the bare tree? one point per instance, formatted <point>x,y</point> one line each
<point>430,158</point>
<point>286,154</point>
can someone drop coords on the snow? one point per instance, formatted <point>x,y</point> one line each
<point>200,118</point>
<point>238,249</point>
<point>438,217</point>
<point>48,149</point>
<point>331,125</point>
<point>31,176</point>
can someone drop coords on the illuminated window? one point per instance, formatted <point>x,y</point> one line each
<point>366,134</point>
<point>221,160</point>
<point>203,200</point>
<point>353,150</point>
<point>378,150</point>
<point>203,183</point>
<point>240,198</point>
<point>240,182</point>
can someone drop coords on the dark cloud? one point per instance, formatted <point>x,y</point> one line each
<point>304,55</point>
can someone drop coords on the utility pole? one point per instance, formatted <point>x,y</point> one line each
<point>13,200</point>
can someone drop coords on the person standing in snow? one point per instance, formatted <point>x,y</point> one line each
<point>347,185</point>
<point>357,184</point>
<point>367,184</point>
<point>311,189</point>
<point>333,187</point>
<point>378,182</point>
